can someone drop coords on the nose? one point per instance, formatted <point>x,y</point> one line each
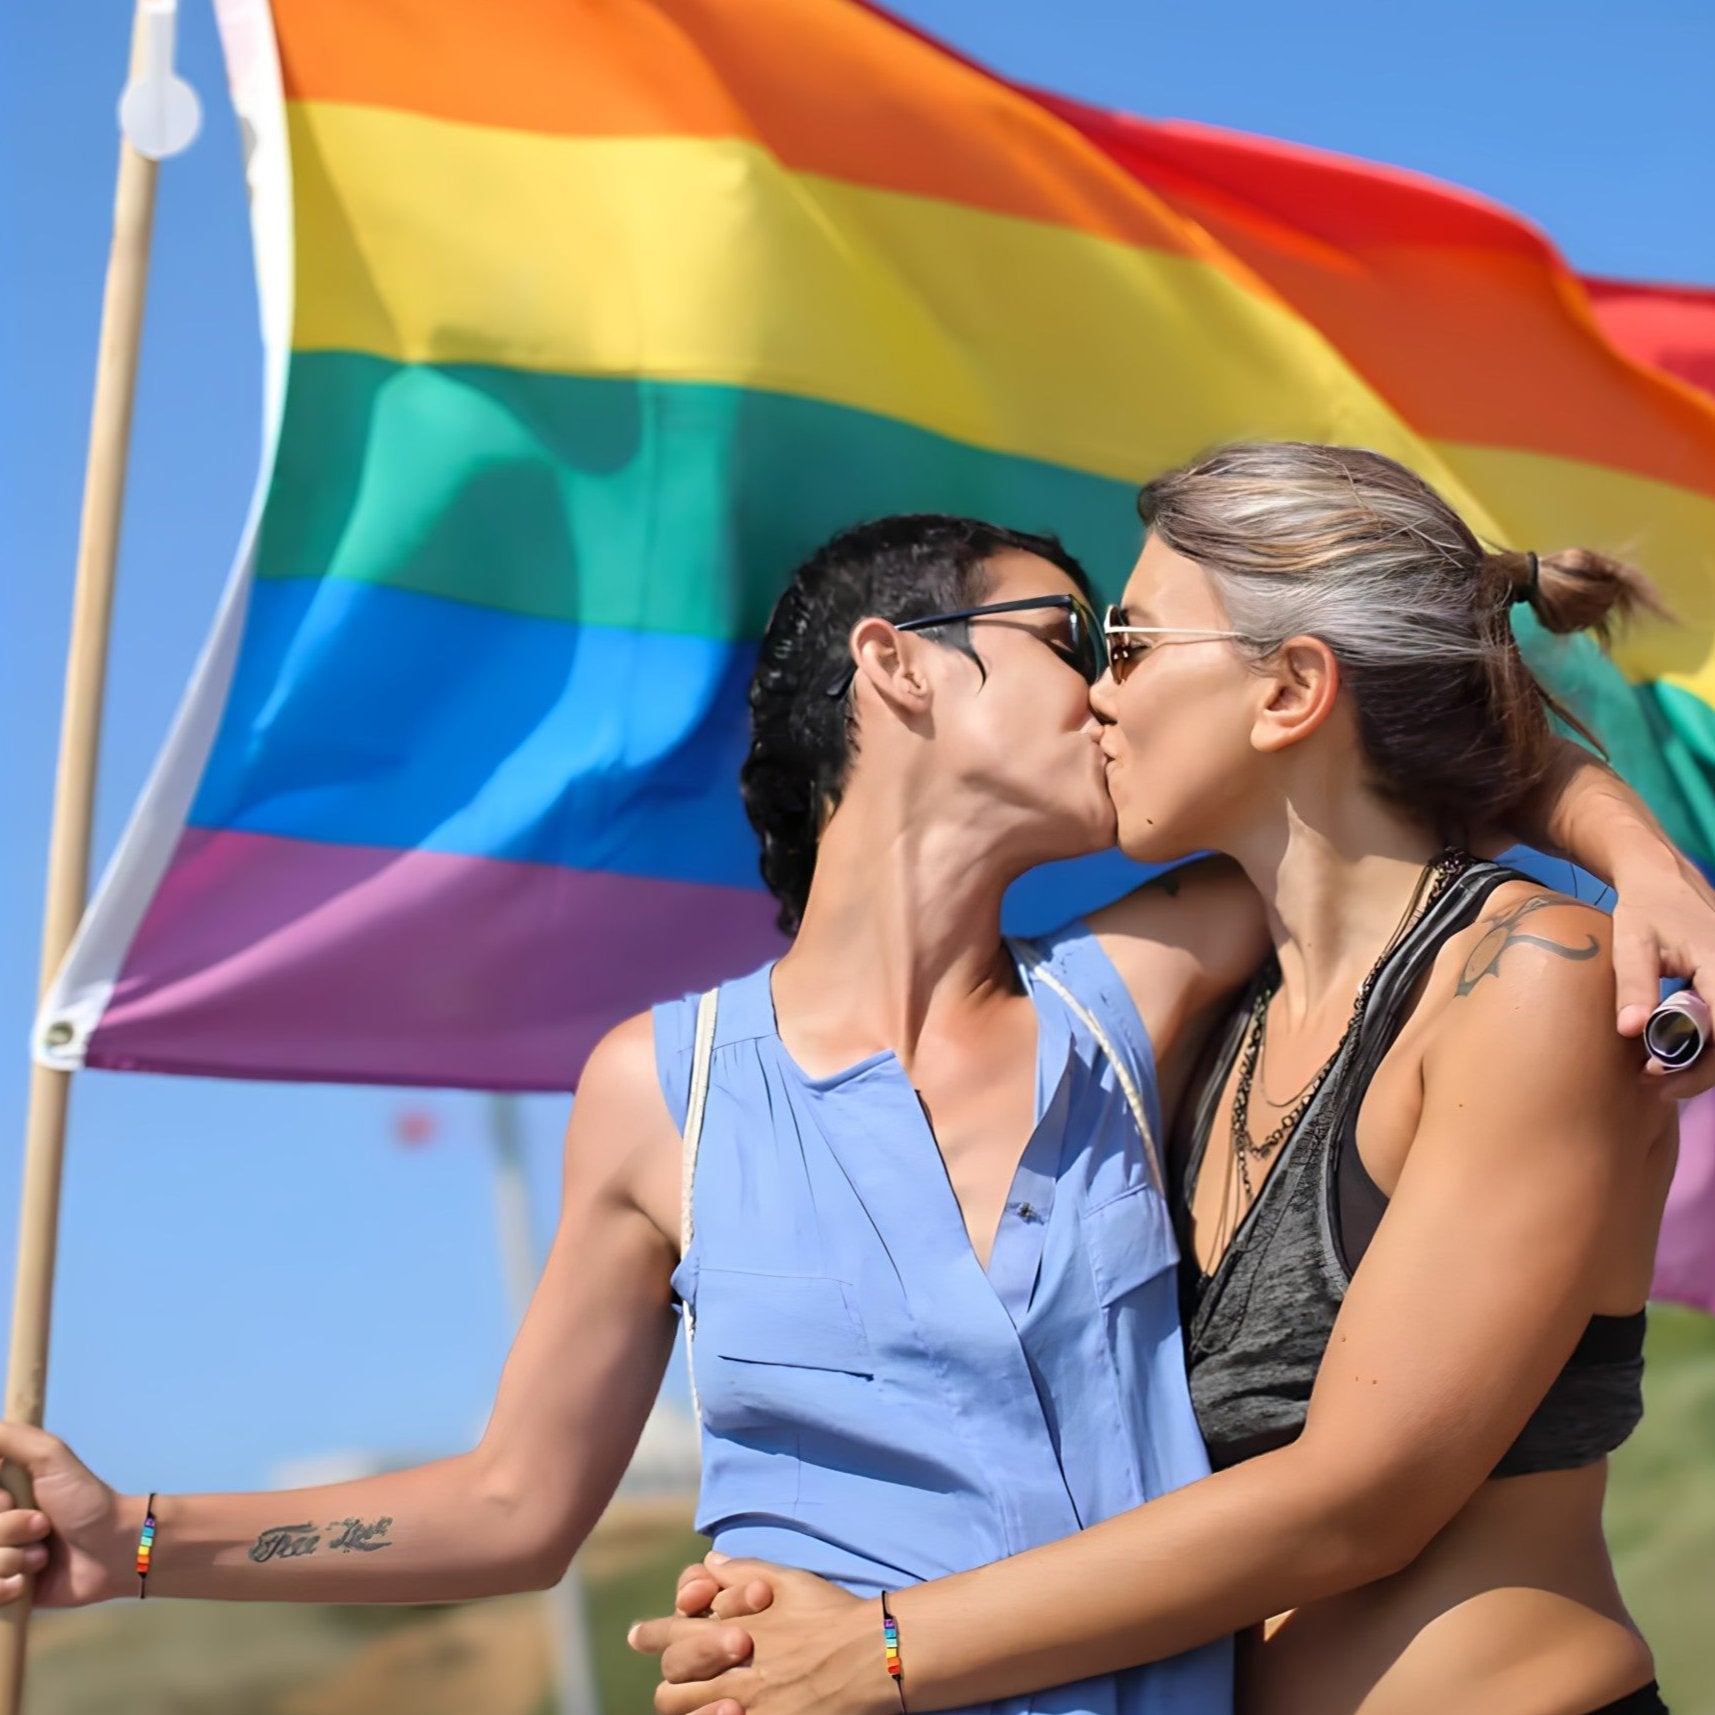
<point>1102,695</point>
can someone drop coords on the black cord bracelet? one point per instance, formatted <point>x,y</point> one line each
<point>145,1548</point>
<point>890,1641</point>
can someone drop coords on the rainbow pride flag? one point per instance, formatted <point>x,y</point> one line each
<point>584,322</point>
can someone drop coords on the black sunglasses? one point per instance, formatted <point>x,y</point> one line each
<point>1082,651</point>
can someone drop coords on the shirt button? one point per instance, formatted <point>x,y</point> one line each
<point>1027,1211</point>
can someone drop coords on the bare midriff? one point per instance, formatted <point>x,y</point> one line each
<point>1512,1610</point>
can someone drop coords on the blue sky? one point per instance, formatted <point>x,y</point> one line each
<point>251,1273</point>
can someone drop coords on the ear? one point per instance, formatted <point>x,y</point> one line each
<point>891,662</point>
<point>1301,687</point>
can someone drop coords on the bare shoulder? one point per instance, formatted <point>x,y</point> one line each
<point>1533,1103</point>
<point>1530,939</point>
<point>621,1069</point>
<point>621,1141</point>
<point>1530,987</point>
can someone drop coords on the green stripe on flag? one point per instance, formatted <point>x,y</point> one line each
<point>655,506</point>
<point>1658,738</point>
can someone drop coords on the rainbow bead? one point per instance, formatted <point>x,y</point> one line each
<point>890,1638</point>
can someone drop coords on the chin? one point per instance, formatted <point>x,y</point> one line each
<point>1144,841</point>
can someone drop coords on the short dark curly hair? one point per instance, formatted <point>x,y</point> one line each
<point>801,739</point>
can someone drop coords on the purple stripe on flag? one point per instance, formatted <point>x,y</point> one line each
<point>1685,1259</point>
<point>277,958</point>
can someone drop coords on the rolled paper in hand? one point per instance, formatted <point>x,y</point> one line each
<point>1678,1030</point>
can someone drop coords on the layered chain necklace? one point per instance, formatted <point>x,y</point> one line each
<point>1246,1149</point>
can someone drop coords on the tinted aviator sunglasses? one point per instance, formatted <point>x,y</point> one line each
<point>1081,648</point>
<point>1128,643</point>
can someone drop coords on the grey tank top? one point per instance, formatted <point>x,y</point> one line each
<point>1257,1327</point>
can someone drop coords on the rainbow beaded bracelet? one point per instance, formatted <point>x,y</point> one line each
<point>145,1548</point>
<point>890,1643</point>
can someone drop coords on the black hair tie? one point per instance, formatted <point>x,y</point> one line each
<point>1528,588</point>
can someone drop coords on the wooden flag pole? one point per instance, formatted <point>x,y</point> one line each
<point>74,799</point>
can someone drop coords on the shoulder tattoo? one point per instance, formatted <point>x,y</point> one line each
<point>1507,929</point>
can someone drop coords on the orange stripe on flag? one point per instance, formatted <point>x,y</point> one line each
<point>890,110</point>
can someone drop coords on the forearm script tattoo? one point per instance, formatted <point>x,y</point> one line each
<point>294,1541</point>
<point>1505,931</point>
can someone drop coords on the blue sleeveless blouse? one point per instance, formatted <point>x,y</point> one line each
<point>877,1407</point>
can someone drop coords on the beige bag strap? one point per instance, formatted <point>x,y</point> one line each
<point>1128,1084</point>
<point>702,1057</point>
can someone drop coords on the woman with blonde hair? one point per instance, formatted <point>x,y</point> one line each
<point>1417,1184</point>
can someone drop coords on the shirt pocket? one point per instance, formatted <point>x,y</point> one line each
<point>777,1352</point>
<point>1129,1241</point>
